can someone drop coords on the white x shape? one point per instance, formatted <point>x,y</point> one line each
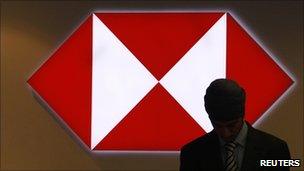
<point>120,81</point>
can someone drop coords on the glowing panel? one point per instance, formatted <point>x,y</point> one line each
<point>136,81</point>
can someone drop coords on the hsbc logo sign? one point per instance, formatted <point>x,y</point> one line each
<point>136,81</point>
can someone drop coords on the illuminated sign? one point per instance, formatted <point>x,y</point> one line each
<point>136,81</point>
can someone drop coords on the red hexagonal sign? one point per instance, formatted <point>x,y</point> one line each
<point>135,81</point>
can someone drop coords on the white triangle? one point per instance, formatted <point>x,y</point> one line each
<point>188,79</point>
<point>119,81</point>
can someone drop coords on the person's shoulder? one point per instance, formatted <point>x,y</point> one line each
<point>265,138</point>
<point>272,146</point>
<point>200,142</point>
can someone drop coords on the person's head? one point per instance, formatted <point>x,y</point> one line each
<point>225,105</point>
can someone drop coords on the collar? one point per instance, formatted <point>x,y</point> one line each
<point>240,138</point>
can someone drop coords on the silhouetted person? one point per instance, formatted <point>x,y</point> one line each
<point>233,144</point>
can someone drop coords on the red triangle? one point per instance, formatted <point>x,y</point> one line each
<point>159,40</point>
<point>248,64</point>
<point>158,122</point>
<point>64,81</point>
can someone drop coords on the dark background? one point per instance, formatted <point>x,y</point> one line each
<point>31,139</point>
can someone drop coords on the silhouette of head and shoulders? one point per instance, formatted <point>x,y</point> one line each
<point>225,104</point>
